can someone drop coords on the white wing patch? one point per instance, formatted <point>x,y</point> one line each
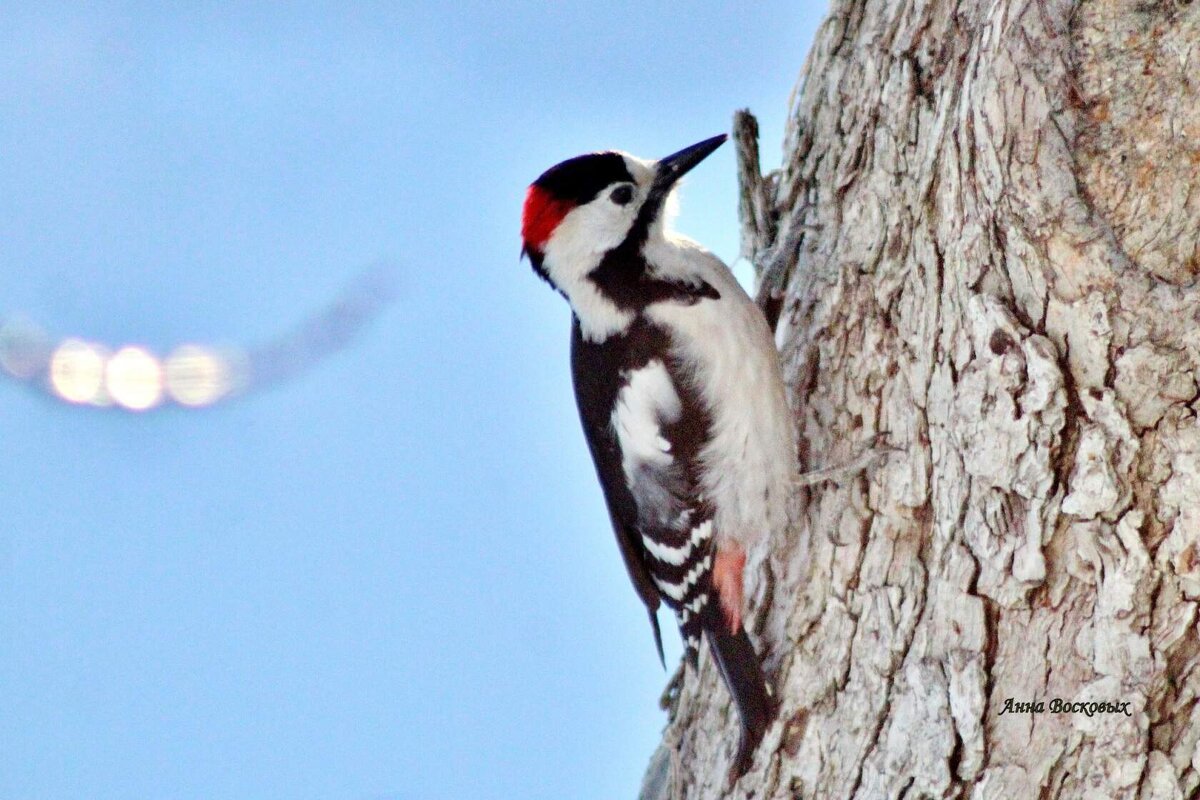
<point>643,406</point>
<point>646,404</point>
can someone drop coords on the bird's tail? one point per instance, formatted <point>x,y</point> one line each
<point>742,672</point>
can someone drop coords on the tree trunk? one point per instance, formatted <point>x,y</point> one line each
<point>982,246</point>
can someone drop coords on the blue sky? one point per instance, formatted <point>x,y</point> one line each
<point>392,576</point>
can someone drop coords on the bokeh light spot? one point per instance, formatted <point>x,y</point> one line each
<point>134,378</point>
<point>77,372</point>
<point>193,375</point>
<point>197,376</point>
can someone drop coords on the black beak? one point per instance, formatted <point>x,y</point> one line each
<point>676,165</point>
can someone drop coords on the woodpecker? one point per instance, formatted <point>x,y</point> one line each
<point>681,397</point>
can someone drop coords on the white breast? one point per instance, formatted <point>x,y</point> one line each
<point>749,464</point>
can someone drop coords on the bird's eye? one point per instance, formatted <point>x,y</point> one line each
<point>621,195</point>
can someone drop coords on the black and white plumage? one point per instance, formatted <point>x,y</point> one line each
<point>680,395</point>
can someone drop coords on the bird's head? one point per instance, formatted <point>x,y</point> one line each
<point>580,209</point>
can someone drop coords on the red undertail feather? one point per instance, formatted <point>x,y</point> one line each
<point>728,568</point>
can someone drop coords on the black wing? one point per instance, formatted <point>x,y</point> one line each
<point>596,369</point>
<point>662,525</point>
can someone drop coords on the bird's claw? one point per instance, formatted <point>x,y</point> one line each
<point>879,448</point>
<point>670,693</point>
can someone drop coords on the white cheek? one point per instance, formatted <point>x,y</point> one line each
<point>576,248</point>
<point>584,236</point>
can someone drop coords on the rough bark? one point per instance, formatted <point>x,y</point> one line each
<point>983,243</point>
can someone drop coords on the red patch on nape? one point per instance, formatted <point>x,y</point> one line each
<point>543,211</point>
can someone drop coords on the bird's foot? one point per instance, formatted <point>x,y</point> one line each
<point>868,457</point>
<point>670,693</point>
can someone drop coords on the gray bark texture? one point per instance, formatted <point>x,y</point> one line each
<point>982,248</point>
